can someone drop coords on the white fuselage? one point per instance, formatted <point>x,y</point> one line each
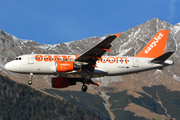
<point>107,66</point>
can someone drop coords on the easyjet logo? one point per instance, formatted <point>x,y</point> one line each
<point>104,59</point>
<point>154,43</point>
<point>64,64</point>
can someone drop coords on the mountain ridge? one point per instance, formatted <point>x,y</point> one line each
<point>130,43</point>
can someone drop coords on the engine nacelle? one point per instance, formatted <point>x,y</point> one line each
<point>58,82</point>
<point>65,66</point>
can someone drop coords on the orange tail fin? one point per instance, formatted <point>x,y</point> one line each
<point>156,46</point>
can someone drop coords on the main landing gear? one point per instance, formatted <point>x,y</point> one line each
<point>30,81</point>
<point>87,78</point>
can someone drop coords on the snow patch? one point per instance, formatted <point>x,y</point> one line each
<point>25,41</point>
<point>105,105</point>
<point>176,28</point>
<point>176,77</point>
<point>67,43</point>
<point>15,38</point>
<point>102,38</point>
<point>116,79</point>
<point>122,52</point>
<point>47,79</point>
<point>158,71</point>
<point>106,80</point>
<point>103,94</point>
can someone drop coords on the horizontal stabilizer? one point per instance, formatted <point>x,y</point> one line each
<point>162,58</point>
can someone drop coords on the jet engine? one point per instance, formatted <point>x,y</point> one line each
<point>65,66</point>
<point>58,82</point>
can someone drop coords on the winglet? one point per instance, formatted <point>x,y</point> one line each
<point>117,35</point>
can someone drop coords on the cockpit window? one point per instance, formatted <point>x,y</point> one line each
<point>18,58</point>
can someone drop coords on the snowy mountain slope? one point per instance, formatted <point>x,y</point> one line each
<point>130,43</point>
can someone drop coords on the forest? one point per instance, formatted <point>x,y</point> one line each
<point>149,100</point>
<point>21,102</point>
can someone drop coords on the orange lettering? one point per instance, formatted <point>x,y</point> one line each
<point>103,59</point>
<point>57,57</point>
<point>110,60</point>
<point>38,57</point>
<point>121,59</point>
<point>47,58</point>
<point>76,56</point>
<point>66,57</point>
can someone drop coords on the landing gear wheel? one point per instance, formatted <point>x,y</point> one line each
<point>30,82</point>
<point>88,78</point>
<point>84,88</point>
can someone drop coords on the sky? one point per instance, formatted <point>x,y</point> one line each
<point>60,21</point>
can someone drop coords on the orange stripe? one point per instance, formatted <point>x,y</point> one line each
<point>117,35</point>
<point>104,49</point>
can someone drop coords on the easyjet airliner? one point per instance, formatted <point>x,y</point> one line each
<point>70,69</point>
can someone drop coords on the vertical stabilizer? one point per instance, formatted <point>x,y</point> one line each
<point>156,46</point>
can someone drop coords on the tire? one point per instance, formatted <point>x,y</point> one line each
<point>84,88</point>
<point>88,78</point>
<point>30,82</point>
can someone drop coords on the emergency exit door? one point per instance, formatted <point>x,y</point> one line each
<point>30,59</point>
<point>135,62</point>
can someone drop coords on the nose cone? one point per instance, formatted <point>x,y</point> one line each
<point>12,66</point>
<point>7,66</point>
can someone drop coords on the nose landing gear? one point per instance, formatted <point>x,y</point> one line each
<point>30,81</point>
<point>84,88</point>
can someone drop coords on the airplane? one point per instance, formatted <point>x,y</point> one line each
<point>70,69</point>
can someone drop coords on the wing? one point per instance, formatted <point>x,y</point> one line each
<point>95,53</point>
